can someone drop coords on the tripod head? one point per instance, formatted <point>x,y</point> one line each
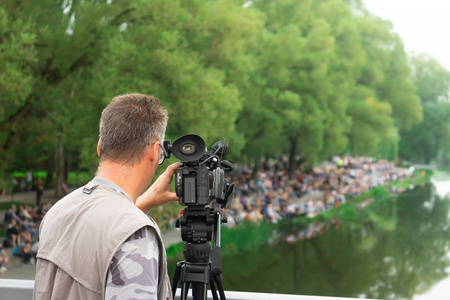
<point>198,223</point>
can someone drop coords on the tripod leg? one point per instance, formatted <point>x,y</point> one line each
<point>184,290</point>
<point>213,289</point>
<point>195,291</point>
<point>176,279</point>
<point>199,291</point>
<point>218,280</point>
<point>205,291</point>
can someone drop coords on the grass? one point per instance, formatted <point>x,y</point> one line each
<point>175,251</point>
<point>6,205</point>
<point>420,176</point>
<point>75,179</point>
<point>245,237</point>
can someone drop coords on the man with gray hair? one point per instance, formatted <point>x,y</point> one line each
<point>98,242</point>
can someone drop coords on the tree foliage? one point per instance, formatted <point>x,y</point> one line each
<point>429,140</point>
<point>305,78</point>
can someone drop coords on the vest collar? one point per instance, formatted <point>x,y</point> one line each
<point>111,185</point>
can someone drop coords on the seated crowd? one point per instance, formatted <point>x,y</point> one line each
<point>22,224</point>
<point>271,194</point>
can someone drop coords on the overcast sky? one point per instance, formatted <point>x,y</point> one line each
<point>423,25</point>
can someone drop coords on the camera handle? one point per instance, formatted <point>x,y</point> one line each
<point>203,264</point>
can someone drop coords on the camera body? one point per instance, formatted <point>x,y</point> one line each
<point>200,179</point>
<point>196,185</point>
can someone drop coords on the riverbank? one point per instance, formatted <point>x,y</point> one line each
<point>393,248</point>
<point>248,235</point>
<point>318,196</point>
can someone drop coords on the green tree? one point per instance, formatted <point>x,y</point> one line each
<point>67,38</point>
<point>17,45</point>
<point>306,78</point>
<point>384,81</point>
<point>84,53</point>
<point>314,66</point>
<point>425,141</point>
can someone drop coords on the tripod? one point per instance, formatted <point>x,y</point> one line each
<point>203,264</point>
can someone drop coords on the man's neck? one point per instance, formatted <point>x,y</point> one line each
<point>128,178</point>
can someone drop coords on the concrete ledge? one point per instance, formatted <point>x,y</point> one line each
<point>12,289</point>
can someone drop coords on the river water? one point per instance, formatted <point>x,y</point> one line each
<point>397,247</point>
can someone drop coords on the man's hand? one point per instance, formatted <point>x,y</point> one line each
<point>159,192</point>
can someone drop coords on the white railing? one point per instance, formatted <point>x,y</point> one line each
<point>13,289</point>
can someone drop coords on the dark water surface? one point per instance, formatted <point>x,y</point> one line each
<point>397,247</point>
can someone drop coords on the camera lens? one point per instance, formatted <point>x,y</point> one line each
<point>187,148</point>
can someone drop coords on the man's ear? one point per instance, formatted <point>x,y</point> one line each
<point>154,150</point>
<point>152,154</point>
<point>98,148</point>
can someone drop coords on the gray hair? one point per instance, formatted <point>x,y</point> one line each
<point>128,125</point>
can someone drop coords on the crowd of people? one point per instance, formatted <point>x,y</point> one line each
<point>271,194</point>
<point>22,224</point>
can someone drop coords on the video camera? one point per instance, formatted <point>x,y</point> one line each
<point>200,179</point>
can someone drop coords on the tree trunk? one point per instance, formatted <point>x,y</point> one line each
<point>50,168</point>
<point>292,156</point>
<point>67,165</point>
<point>59,166</point>
<point>255,169</point>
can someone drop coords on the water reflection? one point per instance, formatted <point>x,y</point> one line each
<point>395,248</point>
<point>311,231</point>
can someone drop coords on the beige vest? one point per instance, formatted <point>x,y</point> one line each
<point>79,237</point>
